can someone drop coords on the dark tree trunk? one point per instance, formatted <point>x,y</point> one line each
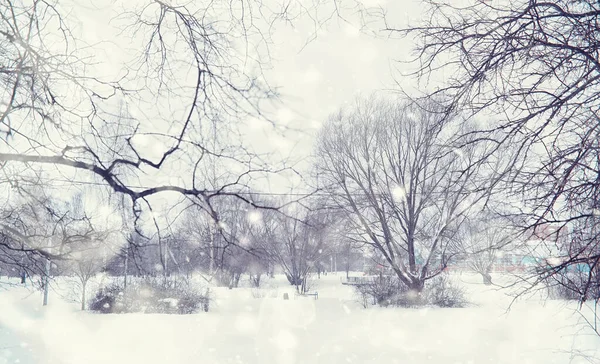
<point>255,279</point>
<point>417,286</point>
<point>487,278</point>
<point>236,279</point>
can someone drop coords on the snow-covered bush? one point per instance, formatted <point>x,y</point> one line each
<point>151,296</point>
<point>442,292</point>
<point>109,299</point>
<point>390,291</point>
<point>259,292</point>
<point>383,291</point>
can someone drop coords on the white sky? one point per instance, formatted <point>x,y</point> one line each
<point>315,80</point>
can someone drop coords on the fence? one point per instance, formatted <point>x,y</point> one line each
<point>357,281</point>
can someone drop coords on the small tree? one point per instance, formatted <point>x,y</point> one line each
<point>85,266</point>
<point>482,239</point>
<point>296,241</point>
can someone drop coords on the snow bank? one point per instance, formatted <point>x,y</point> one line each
<point>332,329</point>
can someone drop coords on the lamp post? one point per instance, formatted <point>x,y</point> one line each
<point>335,262</point>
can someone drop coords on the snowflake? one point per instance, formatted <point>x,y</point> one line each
<point>254,217</point>
<point>399,193</point>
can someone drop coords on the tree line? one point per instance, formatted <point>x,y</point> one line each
<point>509,139</point>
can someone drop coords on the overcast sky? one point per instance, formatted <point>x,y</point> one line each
<point>342,63</point>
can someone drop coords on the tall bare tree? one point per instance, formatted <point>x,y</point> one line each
<point>390,166</point>
<point>533,67</point>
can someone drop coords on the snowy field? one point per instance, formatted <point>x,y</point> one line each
<point>259,327</point>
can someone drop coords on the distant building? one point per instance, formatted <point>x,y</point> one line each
<point>542,245</point>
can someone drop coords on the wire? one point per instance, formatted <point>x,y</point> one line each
<point>256,193</point>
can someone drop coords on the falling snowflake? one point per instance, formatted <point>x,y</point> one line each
<point>459,153</point>
<point>254,217</point>
<point>399,193</point>
<point>284,116</point>
<point>245,241</point>
<point>554,261</point>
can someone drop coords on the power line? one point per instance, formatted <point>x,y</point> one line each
<point>92,183</point>
<point>255,193</point>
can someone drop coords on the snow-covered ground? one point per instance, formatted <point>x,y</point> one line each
<point>250,326</point>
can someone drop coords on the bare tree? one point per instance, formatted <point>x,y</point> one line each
<point>533,67</point>
<point>42,236</point>
<point>482,240</point>
<point>296,241</point>
<point>391,167</point>
<point>225,248</point>
<point>85,263</point>
<point>343,243</point>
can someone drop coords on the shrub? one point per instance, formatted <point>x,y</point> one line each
<point>390,291</point>
<point>441,292</point>
<point>151,296</point>
<point>108,299</point>
<point>258,292</point>
<point>384,291</point>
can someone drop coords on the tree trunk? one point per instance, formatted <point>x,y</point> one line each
<point>46,282</point>
<point>236,279</point>
<point>126,267</point>
<point>335,263</point>
<point>487,278</point>
<point>256,279</point>
<point>83,286</point>
<point>271,269</point>
<point>211,267</point>
<point>47,276</point>
<point>416,285</point>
